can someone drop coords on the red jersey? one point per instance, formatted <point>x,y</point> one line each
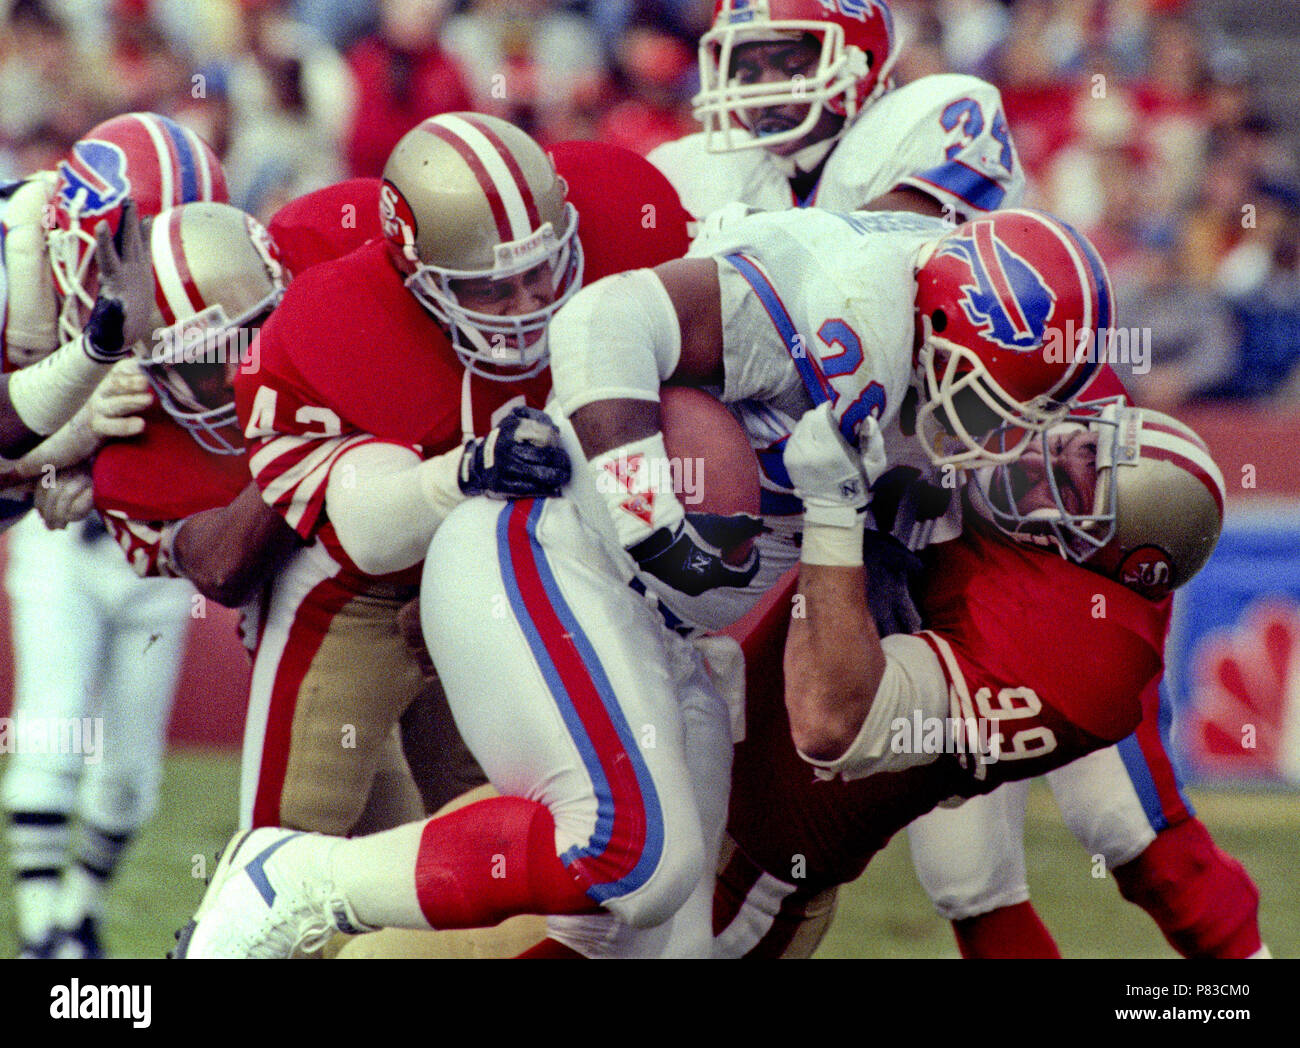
<point>327,224</point>
<point>1020,633</point>
<point>160,476</point>
<point>350,357</point>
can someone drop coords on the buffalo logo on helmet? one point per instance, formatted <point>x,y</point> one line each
<point>862,10</point>
<point>93,181</point>
<point>1009,303</point>
<point>397,218</point>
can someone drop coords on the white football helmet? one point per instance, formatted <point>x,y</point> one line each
<point>471,197</point>
<point>217,277</point>
<point>1156,507</point>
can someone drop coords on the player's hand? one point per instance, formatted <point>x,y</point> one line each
<point>67,498</point>
<point>832,478</point>
<point>890,568</point>
<point>691,558</point>
<point>521,458</point>
<point>117,404</point>
<point>123,311</point>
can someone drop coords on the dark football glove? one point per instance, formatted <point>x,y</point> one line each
<point>891,568</point>
<point>689,557</point>
<point>521,458</point>
<point>123,311</point>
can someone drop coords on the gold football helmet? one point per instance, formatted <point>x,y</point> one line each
<point>217,277</point>
<point>1156,503</point>
<point>468,197</point>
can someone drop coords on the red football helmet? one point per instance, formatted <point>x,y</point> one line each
<point>1016,312</point>
<point>155,161</point>
<point>857,41</point>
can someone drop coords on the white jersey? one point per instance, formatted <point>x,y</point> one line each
<point>945,135</point>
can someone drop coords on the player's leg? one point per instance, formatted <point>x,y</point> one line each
<point>331,679</point>
<point>1126,804</point>
<point>565,686</point>
<point>57,638</point>
<point>529,625</point>
<point>148,622</point>
<point>971,862</point>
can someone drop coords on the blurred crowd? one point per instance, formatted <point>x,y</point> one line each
<point>1134,122</point>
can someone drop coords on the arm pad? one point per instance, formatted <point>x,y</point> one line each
<point>48,394</point>
<point>385,504</point>
<point>617,340</point>
<point>913,687</point>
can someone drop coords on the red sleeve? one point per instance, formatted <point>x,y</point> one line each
<point>1051,657</point>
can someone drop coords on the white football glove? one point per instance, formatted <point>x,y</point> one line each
<point>832,478</point>
<point>121,398</point>
<point>67,498</point>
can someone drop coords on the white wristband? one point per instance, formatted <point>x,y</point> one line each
<point>636,483</point>
<point>832,547</point>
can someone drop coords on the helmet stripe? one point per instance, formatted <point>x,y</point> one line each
<point>516,172</point>
<point>185,161</point>
<point>480,172</point>
<point>1213,484</point>
<point>986,246</point>
<point>201,154</point>
<point>510,190</point>
<point>180,296</point>
<point>166,196</point>
<point>1160,444</point>
<point>163,270</point>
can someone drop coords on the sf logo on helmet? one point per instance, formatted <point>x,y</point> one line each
<point>862,10</point>
<point>96,175</point>
<point>1010,303</point>
<point>396,216</point>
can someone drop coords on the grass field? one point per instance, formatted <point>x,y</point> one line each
<point>884,914</point>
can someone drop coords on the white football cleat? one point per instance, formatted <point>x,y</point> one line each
<point>269,896</point>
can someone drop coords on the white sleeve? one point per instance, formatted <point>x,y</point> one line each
<point>616,340</point>
<point>913,691</point>
<point>385,504</point>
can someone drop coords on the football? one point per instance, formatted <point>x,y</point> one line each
<point>714,468</point>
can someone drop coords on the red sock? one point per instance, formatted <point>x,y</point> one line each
<point>492,860</point>
<point>1007,932</point>
<point>550,950</point>
<point>1202,898</point>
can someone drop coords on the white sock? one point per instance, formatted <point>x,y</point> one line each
<point>376,876</point>
<point>1262,954</point>
<point>36,900</point>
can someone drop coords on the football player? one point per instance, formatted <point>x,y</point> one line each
<point>901,725</point>
<point>367,427</point>
<point>799,110</point>
<point>77,295</point>
<point>538,614</point>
